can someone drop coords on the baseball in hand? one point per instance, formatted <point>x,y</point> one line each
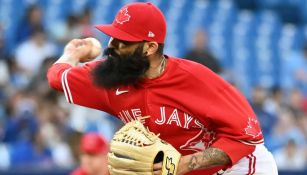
<point>96,47</point>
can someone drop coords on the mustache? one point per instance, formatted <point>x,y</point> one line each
<point>118,70</point>
<point>135,63</point>
<point>110,52</point>
<point>120,63</point>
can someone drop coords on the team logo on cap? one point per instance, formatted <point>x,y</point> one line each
<point>151,34</point>
<point>122,16</point>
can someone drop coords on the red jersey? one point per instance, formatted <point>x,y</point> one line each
<point>78,171</point>
<point>190,106</point>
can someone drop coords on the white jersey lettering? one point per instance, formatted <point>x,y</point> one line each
<point>174,118</point>
<point>162,120</point>
<point>187,120</point>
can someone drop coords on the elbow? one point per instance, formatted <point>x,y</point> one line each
<point>54,75</point>
<point>54,79</point>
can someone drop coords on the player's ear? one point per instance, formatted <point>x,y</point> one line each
<point>150,48</point>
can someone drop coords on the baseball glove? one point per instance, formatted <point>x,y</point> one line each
<point>134,150</point>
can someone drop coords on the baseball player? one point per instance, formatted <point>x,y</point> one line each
<point>93,159</point>
<point>205,118</point>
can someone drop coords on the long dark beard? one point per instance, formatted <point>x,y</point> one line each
<point>118,70</point>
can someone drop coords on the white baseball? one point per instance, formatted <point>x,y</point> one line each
<point>96,48</point>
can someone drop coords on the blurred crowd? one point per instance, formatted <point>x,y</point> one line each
<point>38,128</point>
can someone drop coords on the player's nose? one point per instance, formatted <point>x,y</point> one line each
<point>112,43</point>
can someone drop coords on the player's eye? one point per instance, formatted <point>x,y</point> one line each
<point>127,43</point>
<point>122,44</point>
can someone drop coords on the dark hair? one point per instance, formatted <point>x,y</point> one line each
<point>37,30</point>
<point>72,20</point>
<point>160,49</point>
<point>118,70</point>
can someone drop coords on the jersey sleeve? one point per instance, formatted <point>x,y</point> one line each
<point>235,123</point>
<point>76,83</point>
<point>226,112</point>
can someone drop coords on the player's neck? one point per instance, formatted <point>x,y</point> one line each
<point>101,172</point>
<point>157,67</point>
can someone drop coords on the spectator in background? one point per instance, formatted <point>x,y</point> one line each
<point>31,21</point>
<point>4,80</point>
<point>295,102</point>
<point>22,132</point>
<point>84,119</point>
<point>17,79</point>
<point>294,71</point>
<point>31,53</point>
<point>93,156</point>
<point>65,31</point>
<point>21,122</point>
<point>266,119</point>
<point>52,118</point>
<point>73,27</point>
<point>200,53</point>
<point>86,24</point>
<point>275,102</point>
<point>5,156</point>
<point>2,44</point>
<point>39,79</point>
<point>302,124</point>
<point>291,157</point>
<point>30,155</point>
<point>285,129</point>
<point>304,105</point>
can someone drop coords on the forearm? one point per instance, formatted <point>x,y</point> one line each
<point>68,60</point>
<point>208,158</point>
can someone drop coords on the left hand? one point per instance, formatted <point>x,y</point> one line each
<point>157,168</point>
